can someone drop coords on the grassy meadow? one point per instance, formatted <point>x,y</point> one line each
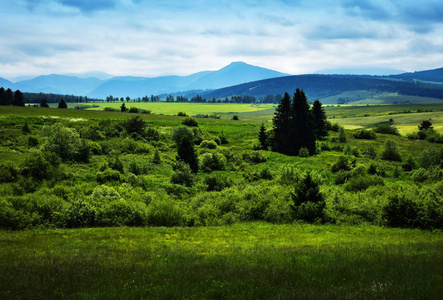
<point>92,210</point>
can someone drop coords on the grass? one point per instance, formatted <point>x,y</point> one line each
<point>247,261</point>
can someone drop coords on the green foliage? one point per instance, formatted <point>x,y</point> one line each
<point>254,157</point>
<point>164,212</point>
<point>136,124</point>
<point>401,211</point>
<point>319,120</point>
<point>342,135</point>
<point>365,134</point>
<point>308,200</point>
<point>8,172</point>
<point>263,137</point>
<point>183,174</point>
<point>409,164</point>
<point>62,104</point>
<point>156,158</point>
<point>186,153</point>
<point>25,128</point>
<point>304,152</point>
<point>390,151</point>
<point>425,125</point>
<point>63,141</point>
<point>108,175</point>
<point>341,164</point>
<point>134,110</point>
<point>235,118</point>
<point>182,114</point>
<point>361,183</point>
<point>180,132</point>
<point>217,182</point>
<point>432,156</point>
<point>387,129</point>
<point>208,144</point>
<point>190,122</point>
<point>212,161</point>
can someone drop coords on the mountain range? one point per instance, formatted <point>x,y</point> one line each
<point>240,78</point>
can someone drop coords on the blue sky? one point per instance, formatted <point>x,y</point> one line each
<point>163,37</point>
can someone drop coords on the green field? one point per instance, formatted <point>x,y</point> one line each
<point>121,224</point>
<point>243,261</point>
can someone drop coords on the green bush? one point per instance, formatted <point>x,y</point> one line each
<point>289,175</point>
<point>37,167</point>
<point>8,172</point>
<point>365,134</point>
<point>108,175</point>
<point>401,211</point>
<point>361,183</point>
<point>217,182</point>
<point>212,161</point>
<point>304,152</point>
<point>387,129</point>
<point>254,157</point>
<point>208,144</point>
<point>341,164</point>
<point>431,157</point>
<point>190,122</point>
<point>32,141</point>
<point>164,212</point>
<point>183,174</point>
<point>135,124</point>
<point>390,151</point>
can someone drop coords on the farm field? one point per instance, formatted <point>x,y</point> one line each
<point>247,261</point>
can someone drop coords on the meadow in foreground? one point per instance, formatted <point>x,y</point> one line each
<point>241,261</point>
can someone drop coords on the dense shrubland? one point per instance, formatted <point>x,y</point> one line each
<point>89,173</point>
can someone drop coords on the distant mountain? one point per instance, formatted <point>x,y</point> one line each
<point>360,71</point>
<point>235,73</point>
<point>435,75</point>
<point>59,84</point>
<point>325,87</point>
<point>6,83</point>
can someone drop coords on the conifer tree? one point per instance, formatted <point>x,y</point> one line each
<point>44,103</point>
<point>3,98</point>
<point>301,129</point>
<point>18,99</point>
<point>319,120</point>
<point>263,137</point>
<point>282,123</point>
<point>62,104</point>
<point>186,152</point>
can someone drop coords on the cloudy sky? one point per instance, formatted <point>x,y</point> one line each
<point>164,37</point>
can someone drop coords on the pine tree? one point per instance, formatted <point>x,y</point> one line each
<point>301,125</point>
<point>3,98</point>
<point>263,137</point>
<point>308,200</point>
<point>282,123</point>
<point>62,104</point>
<point>319,120</point>
<point>186,152</point>
<point>123,108</point>
<point>18,99</point>
<point>44,103</point>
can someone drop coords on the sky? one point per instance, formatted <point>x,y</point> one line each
<point>165,37</point>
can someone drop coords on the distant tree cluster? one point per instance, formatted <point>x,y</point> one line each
<point>55,98</point>
<point>297,125</point>
<point>8,97</point>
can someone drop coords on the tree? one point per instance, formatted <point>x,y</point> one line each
<point>425,125</point>
<point>128,99</point>
<point>302,134</point>
<point>186,152</point>
<point>62,104</point>
<point>123,108</point>
<point>391,151</point>
<point>263,137</point>
<point>281,122</point>
<point>308,201</point>
<point>44,103</point>
<point>18,99</point>
<point>9,97</point>
<point>135,124</point>
<point>3,97</point>
<point>319,120</point>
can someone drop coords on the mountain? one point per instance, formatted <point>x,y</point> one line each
<point>6,83</point>
<point>434,76</point>
<point>235,73</point>
<point>361,71</point>
<point>338,88</point>
<point>59,84</point>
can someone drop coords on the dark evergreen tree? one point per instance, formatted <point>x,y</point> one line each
<point>308,202</point>
<point>62,104</point>
<point>135,124</point>
<point>282,122</point>
<point>3,98</point>
<point>18,99</point>
<point>186,152</point>
<point>263,137</point>
<point>9,97</point>
<point>425,125</point>
<point>319,120</point>
<point>44,103</point>
<point>301,125</point>
<point>123,108</point>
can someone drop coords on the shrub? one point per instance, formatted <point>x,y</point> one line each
<point>134,110</point>
<point>181,132</point>
<point>8,172</point>
<point>156,159</point>
<point>164,212</point>
<point>391,151</point>
<point>342,135</point>
<point>212,161</point>
<point>370,152</point>
<point>342,176</point>
<point>217,182</point>
<point>348,150</point>
<point>304,152</point>
<point>135,124</point>
<point>63,141</point>
<point>409,164</point>
<point>425,125</point>
<point>108,175</point>
<point>81,213</point>
<point>254,157</point>
<point>190,122</point>
<point>115,163</point>
<point>32,141</point>
<point>235,118</point>
<point>387,129</point>
<point>208,144</point>
<point>365,134</point>
<point>183,174</point>
<point>308,201</point>
<point>182,114</point>
<point>361,183</point>
<point>37,167</point>
<point>223,138</point>
<point>288,175</point>
<point>341,164</point>
<point>431,157</point>
<point>152,134</point>
<point>401,211</point>
<point>335,127</point>
<point>25,128</point>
